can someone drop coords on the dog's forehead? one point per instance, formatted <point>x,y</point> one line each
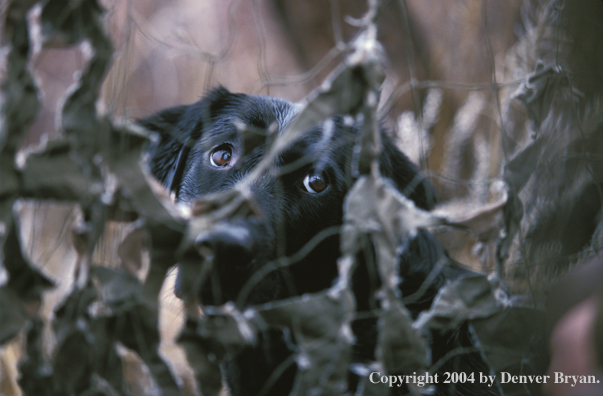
<point>255,111</point>
<point>283,111</point>
<point>274,109</point>
<point>263,111</point>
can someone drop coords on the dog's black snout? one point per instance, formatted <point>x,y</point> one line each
<point>228,251</point>
<point>230,245</point>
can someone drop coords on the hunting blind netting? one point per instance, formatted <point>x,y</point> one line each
<point>498,103</point>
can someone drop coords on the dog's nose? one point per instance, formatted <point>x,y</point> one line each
<point>227,249</point>
<point>231,245</point>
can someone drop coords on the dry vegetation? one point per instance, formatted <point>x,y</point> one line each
<point>498,102</point>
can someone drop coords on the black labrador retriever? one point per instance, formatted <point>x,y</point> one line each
<point>203,150</point>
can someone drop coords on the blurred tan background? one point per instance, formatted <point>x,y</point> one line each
<point>169,53</point>
<point>452,69</point>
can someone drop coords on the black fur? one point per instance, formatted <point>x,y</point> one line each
<point>289,216</point>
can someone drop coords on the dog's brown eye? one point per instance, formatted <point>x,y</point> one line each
<point>221,156</point>
<point>316,182</point>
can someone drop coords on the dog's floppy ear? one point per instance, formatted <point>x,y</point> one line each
<point>407,177</point>
<point>165,154</point>
<point>179,128</point>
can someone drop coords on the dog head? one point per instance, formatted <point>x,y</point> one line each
<point>209,146</point>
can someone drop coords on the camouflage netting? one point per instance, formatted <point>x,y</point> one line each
<point>538,217</point>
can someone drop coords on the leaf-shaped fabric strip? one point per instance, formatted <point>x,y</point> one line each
<point>25,284</point>
<point>321,326</point>
<point>123,156</point>
<point>466,298</point>
<point>18,107</point>
<point>51,174</point>
<point>203,362</point>
<point>132,319</point>
<point>400,348</point>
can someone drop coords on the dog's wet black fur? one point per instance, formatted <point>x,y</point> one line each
<point>201,152</point>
